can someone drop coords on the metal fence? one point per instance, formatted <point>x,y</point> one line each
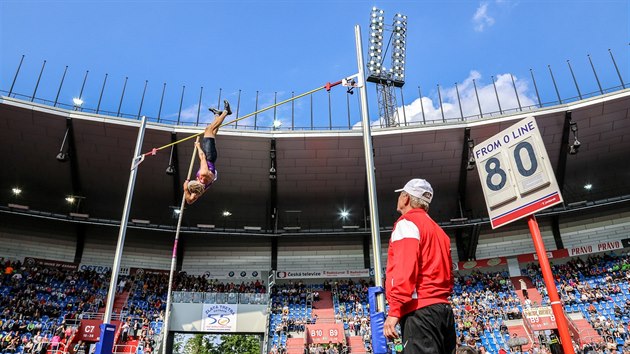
<point>332,110</point>
<point>220,298</point>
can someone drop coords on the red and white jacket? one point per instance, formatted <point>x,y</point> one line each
<point>419,265</point>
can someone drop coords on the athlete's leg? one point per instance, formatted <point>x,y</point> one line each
<point>213,128</point>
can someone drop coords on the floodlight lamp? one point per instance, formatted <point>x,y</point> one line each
<point>588,186</point>
<point>226,213</point>
<point>77,101</point>
<point>70,199</point>
<point>277,123</point>
<point>62,156</point>
<point>374,8</point>
<point>381,11</point>
<point>471,164</point>
<point>170,170</point>
<point>16,191</point>
<point>344,214</point>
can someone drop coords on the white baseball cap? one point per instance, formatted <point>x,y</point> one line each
<point>419,188</point>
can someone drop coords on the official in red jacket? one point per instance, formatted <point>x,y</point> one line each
<point>419,276</point>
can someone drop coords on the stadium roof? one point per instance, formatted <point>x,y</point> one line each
<point>319,173</point>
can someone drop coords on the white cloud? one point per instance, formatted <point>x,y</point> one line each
<point>481,19</point>
<point>470,108</point>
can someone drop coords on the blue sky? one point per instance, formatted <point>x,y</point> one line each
<point>285,46</point>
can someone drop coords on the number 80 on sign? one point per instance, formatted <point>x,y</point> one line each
<point>515,173</point>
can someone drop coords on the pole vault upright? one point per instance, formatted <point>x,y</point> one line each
<point>376,296</point>
<point>106,339</point>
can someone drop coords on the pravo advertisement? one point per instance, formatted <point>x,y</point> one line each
<point>515,173</point>
<point>219,318</point>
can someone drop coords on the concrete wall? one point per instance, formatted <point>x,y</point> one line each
<point>142,249</point>
<point>22,236</point>
<point>315,253</point>
<point>223,253</point>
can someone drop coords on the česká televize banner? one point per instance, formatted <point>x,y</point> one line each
<point>357,273</point>
<point>219,318</point>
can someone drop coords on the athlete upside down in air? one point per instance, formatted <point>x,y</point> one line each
<point>207,173</point>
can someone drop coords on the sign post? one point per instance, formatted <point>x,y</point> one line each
<point>518,181</point>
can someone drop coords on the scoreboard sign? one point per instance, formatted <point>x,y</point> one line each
<point>515,173</point>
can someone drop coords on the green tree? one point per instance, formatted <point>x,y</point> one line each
<point>236,344</point>
<point>198,345</point>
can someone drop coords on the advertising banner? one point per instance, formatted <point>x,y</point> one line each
<point>357,273</point>
<point>533,257</point>
<point>219,318</point>
<point>482,263</point>
<point>596,247</point>
<point>101,269</point>
<point>32,262</point>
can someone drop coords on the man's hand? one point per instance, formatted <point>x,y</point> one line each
<point>389,328</point>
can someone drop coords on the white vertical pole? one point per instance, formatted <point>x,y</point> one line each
<point>369,166</point>
<point>123,224</point>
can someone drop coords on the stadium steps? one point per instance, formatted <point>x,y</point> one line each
<point>521,332</point>
<point>532,292</point>
<point>324,308</point>
<point>130,346</point>
<point>586,332</point>
<point>295,345</point>
<point>356,344</point>
<point>120,301</point>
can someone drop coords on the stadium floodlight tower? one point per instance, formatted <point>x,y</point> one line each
<point>387,79</point>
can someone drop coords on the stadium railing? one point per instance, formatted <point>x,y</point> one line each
<point>220,298</point>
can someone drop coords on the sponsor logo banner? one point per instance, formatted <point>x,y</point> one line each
<point>140,271</point>
<point>357,273</point>
<point>32,262</point>
<point>219,318</point>
<point>101,269</point>
<point>240,274</point>
<point>596,247</point>
<point>531,257</point>
<point>482,263</point>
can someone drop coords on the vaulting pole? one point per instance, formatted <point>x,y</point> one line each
<point>167,312</point>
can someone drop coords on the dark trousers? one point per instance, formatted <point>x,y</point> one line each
<point>429,330</point>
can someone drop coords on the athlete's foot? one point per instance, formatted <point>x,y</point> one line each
<point>215,111</point>
<point>226,107</point>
